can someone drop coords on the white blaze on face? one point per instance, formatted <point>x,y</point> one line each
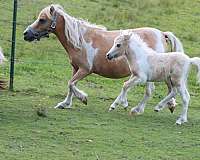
<point>91,53</point>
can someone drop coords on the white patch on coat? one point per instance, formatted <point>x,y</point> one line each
<point>91,53</point>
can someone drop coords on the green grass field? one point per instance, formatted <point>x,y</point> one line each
<point>90,132</point>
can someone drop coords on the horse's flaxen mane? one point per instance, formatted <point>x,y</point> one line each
<point>74,27</point>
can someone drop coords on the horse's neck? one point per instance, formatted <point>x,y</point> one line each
<point>66,43</point>
<point>136,51</point>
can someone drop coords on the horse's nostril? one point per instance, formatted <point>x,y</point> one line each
<point>25,33</point>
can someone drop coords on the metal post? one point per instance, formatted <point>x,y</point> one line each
<point>12,59</point>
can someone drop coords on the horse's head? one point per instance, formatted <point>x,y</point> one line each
<point>119,46</point>
<point>45,24</point>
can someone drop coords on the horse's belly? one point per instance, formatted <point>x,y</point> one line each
<point>115,69</point>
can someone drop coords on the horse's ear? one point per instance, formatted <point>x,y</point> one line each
<point>52,9</point>
<point>127,36</point>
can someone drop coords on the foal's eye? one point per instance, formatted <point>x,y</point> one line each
<point>42,21</point>
<point>118,45</point>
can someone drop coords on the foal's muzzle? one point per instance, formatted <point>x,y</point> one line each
<point>109,57</point>
<point>30,34</point>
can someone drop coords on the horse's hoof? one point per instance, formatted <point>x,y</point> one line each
<point>84,101</point>
<point>59,106</point>
<point>171,109</point>
<point>156,110</point>
<point>111,109</point>
<point>131,113</point>
<point>180,121</point>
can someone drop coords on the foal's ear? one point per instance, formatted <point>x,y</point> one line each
<point>52,9</point>
<point>127,36</point>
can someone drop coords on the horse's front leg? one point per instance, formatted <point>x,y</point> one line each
<point>73,90</point>
<point>139,109</point>
<point>80,74</point>
<point>67,103</point>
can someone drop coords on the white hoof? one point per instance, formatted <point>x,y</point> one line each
<point>136,111</point>
<point>63,105</point>
<point>124,104</point>
<point>157,109</point>
<point>111,109</point>
<point>181,121</point>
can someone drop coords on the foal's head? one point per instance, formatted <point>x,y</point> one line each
<point>119,47</point>
<point>45,24</point>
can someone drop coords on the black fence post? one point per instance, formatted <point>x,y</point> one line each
<point>12,58</point>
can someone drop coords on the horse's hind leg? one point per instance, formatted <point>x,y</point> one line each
<point>141,106</point>
<point>185,100</point>
<point>163,103</point>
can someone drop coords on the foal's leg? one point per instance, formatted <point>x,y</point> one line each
<point>121,99</point>
<point>185,100</point>
<point>127,85</point>
<point>68,100</point>
<point>172,103</point>
<point>163,103</point>
<point>139,109</point>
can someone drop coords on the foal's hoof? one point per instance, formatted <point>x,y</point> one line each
<point>156,110</point>
<point>59,106</point>
<point>84,100</point>
<point>180,121</point>
<point>172,105</point>
<point>134,112</point>
<point>111,109</point>
<point>171,109</point>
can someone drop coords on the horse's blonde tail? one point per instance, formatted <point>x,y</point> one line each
<point>176,45</point>
<point>196,61</point>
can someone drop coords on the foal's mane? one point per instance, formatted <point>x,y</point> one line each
<point>138,42</point>
<point>74,27</point>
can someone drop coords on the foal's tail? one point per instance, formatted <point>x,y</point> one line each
<point>176,45</point>
<point>196,61</point>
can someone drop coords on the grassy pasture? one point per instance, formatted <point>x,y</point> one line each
<point>90,132</point>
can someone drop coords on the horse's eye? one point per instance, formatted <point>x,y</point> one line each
<point>118,45</point>
<point>42,21</point>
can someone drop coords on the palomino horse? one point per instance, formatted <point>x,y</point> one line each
<point>147,66</point>
<point>87,45</point>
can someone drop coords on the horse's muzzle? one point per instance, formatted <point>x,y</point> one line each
<point>109,57</point>
<point>30,34</point>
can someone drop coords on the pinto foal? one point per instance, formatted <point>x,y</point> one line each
<point>148,66</point>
